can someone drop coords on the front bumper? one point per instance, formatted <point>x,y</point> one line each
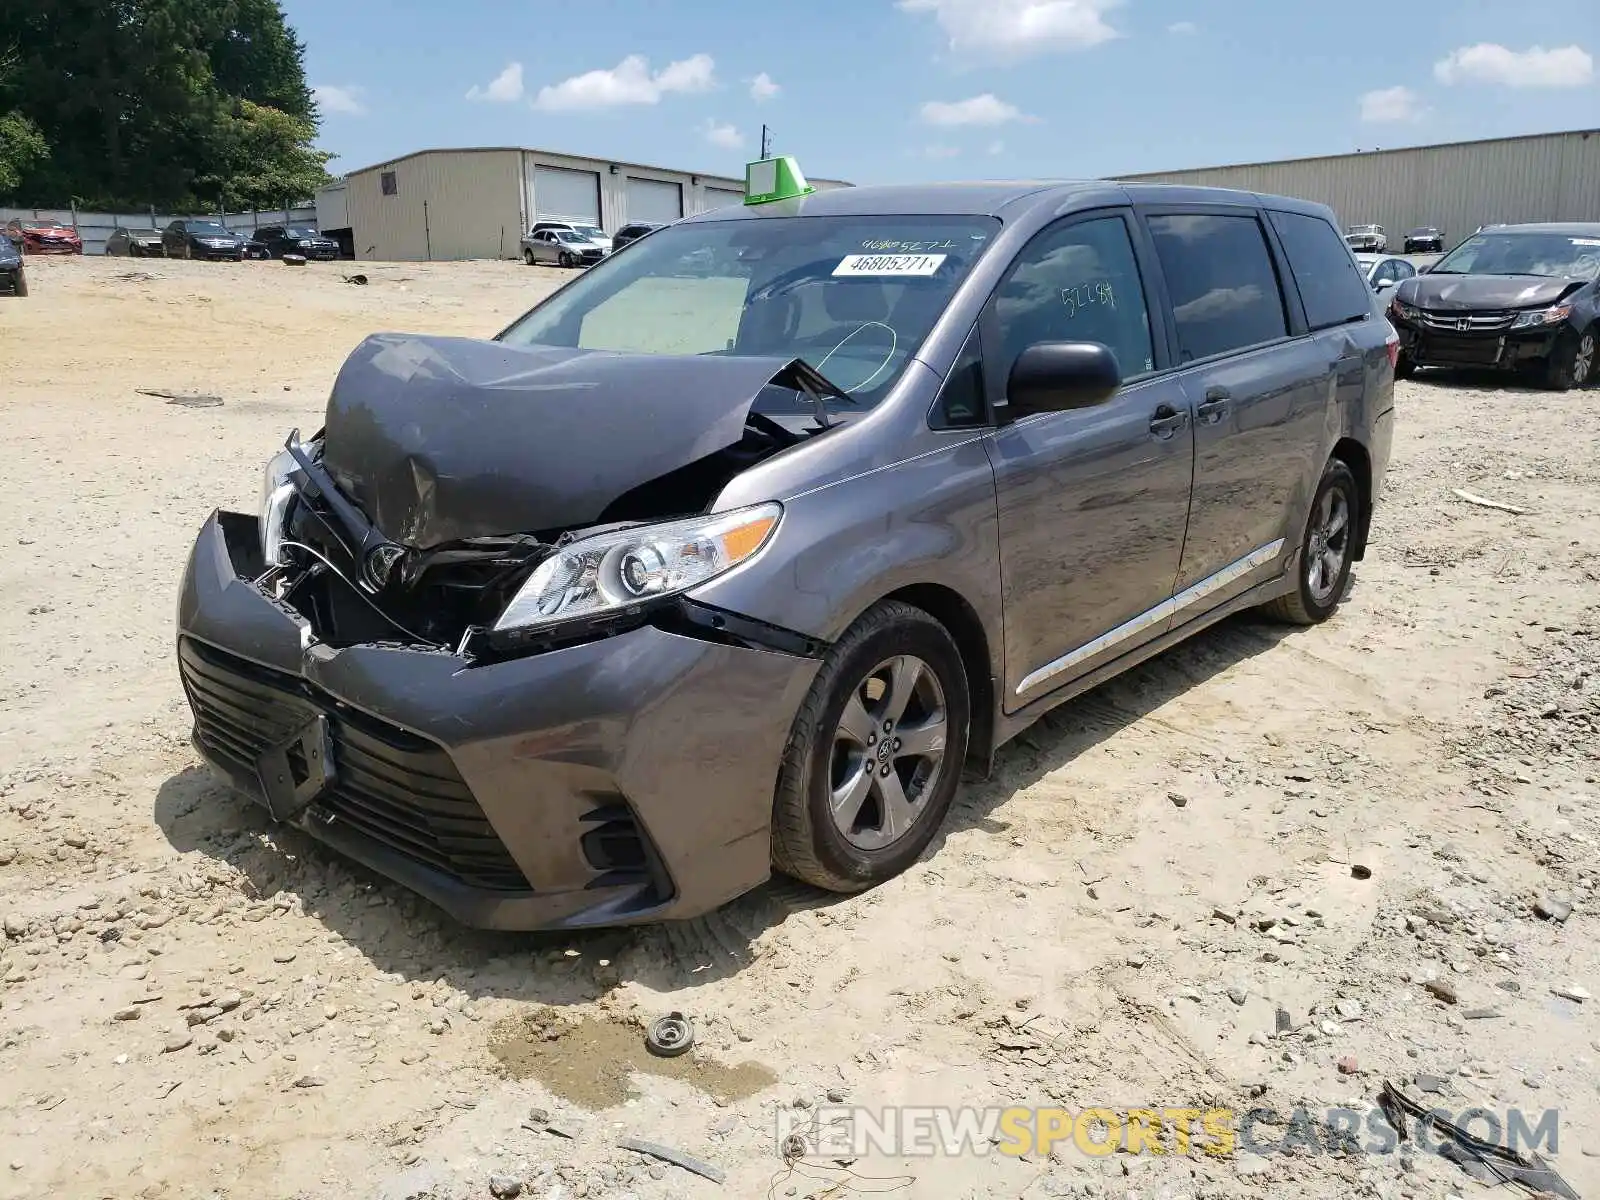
<point>1503,349</point>
<point>609,783</point>
<point>53,248</point>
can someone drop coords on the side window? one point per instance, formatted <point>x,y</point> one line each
<point>1384,274</point>
<point>961,401</point>
<point>1076,283</point>
<point>1223,286</point>
<point>1403,269</point>
<point>1331,289</point>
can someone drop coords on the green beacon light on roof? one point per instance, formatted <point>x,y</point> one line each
<point>769,179</point>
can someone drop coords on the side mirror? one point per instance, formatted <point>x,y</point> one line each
<point>1060,377</point>
<point>1384,286</point>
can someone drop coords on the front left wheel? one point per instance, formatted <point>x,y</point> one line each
<point>1572,360</point>
<point>1327,550</point>
<point>875,755</point>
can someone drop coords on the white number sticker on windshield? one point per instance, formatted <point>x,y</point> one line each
<point>889,264</point>
<point>1586,241</point>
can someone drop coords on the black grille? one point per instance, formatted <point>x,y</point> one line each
<point>1468,351</point>
<point>392,786</point>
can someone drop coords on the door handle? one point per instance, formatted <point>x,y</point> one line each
<point>1166,421</point>
<point>1210,411</point>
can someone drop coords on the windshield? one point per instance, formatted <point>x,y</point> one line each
<point>1365,229</point>
<point>853,296</point>
<point>301,231</point>
<point>590,231</point>
<point>1554,254</point>
<point>6,248</point>
<point>566,235</point>
<point>207,229</point>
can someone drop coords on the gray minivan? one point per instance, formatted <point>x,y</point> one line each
<point>727,555</point>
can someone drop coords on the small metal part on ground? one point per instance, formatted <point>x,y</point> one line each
<point>666,1154</point>
<point>670,1036</point>
<point>183,399</point>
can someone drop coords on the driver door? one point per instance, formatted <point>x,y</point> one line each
<point>1094,503</point>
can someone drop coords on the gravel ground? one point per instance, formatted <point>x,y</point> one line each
<point>1154,902</point>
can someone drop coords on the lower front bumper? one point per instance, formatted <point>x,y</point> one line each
<point>608,783</point>
<point>1489,351</point>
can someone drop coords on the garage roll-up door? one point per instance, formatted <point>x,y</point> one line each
<point>653,200</point>
<point>560,193</point>
<point>722,197</point>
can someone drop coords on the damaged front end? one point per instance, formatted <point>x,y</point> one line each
<point>494,501</point>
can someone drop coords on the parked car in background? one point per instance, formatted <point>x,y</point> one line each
<point>1384,271</point>
<point>687,598</point>
<point>1428,239</point>
<point>297,239</point>
<point>13,274</point>
<point>135,243</point>
<point>564,247</point>
<point>633,231</point>
<point>43,237</point>
<point>1513,297</point>
<point>1367,239</point>
<point>186,238</point>
<point>252,245</point>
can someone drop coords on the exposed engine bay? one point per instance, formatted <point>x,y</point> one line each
<point>449,470</point>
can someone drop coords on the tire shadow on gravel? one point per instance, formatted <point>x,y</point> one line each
<point>401,933</point>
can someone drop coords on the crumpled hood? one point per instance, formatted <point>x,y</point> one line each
<point>440,439</point>
<point>1475,293</point>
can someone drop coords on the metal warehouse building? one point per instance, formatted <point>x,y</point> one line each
<point>1457,187</point>
<point>477,203</point>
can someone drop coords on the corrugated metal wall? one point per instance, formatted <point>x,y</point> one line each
<point>481,201</point>
<point>450,204</point>
<point>1547,177</point>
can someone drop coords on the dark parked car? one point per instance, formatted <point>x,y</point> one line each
<point>1513,297</point>
<point>1426,240</point>
<point>135,243</point>
<point>202,239</point>
<point>253,246</point>
<point>297,239</point>
<point>43,237</point>
<point>602,620</point>
<point>13,274</point>
<point>633,232</point>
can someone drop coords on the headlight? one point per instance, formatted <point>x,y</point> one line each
<point>1404,311</point>
<point>1543,316</point>
<point>276,492</point>
<point>304,242</point>
<point>612,572</point>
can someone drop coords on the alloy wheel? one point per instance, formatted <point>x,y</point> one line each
<point>1583,360</point>
<point>888,752</point>
<point>1328,544</point>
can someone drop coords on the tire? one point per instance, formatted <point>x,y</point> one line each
<point>1404,368</point>
<point>1317,593</point>
<point>566,260</point>
<point>828,749</point>
<point>22,283</point>
<point>1572,360</point>
<point>527,257</point>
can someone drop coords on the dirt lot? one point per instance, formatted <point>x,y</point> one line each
<point>195,1005</point>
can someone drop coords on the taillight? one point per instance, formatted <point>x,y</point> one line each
<point>1392,345</point>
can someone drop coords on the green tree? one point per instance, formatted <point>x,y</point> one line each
<point>263,159</point>
<point>142,101</point>
<point>20,147</point>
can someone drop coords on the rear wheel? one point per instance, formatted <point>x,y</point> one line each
<point>1326,550</point>
<point>875,755</point>
<point>1572,360</point>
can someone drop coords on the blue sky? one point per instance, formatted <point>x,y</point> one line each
<point>906,90</point>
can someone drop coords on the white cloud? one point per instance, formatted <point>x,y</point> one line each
<point>504,88</point>
<point>987,109</point>
<point>1012,28</point>
<point>1391,104</point>
<point>762,88</point>
<point>941,151</point>
<point>629,82</point>
<point>345,100</point>
<point>1183,28</point>
<point>1565,66</point>
<point>725,136</point>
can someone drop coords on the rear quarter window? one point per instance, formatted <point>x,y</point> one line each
<point>1223,285</point>
<point>1331,289</point>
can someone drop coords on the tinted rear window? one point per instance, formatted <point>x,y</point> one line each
<point>1223,285</point>
<point>1331,289</point>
